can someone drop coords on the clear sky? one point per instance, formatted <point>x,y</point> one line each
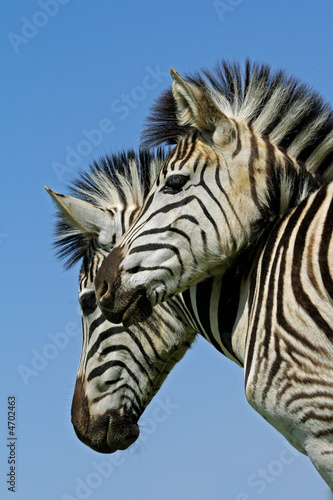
<point>69,67</point>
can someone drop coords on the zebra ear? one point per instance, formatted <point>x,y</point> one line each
<point>86,218</point>
<point>197,109</point>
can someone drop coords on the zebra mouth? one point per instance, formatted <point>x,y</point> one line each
<point>121,434</point>
<point>114,430</point>
<point>127,308</point>
<point>139,310</point>
<point>108,434</point>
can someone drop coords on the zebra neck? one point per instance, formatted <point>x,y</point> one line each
<point>213,307</point>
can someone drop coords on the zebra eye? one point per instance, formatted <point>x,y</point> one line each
<point>88,303</point>
<point>175,183</point>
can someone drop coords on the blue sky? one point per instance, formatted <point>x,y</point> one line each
<point>70,68</point>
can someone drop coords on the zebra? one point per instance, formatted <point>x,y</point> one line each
<point>246,187</point>
<point>107,407</point>
<point>120,369</point>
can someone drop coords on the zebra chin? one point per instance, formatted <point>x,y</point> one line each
<point>104,433</point>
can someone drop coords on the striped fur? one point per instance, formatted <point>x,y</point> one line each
<point>120,369</point>
<point>289,340</point>
<point>237,172</point>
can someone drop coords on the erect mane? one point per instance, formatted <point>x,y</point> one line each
<point>294,117</point>
<point>118,179</point>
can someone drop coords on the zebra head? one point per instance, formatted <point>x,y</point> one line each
<point>227,181</point>
<point>120,369</point>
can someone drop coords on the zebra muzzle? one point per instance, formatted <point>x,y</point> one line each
<point>118,304</point>
<point>106,433</point>
<point>127,308</point>
<point>107,283</point>
<point>122,432</point>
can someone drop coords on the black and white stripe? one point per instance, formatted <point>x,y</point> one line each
<point>121,369</point>
<point>289,338</point>
<point>244,194</point>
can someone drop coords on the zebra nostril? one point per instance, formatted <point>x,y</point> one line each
<point>103,291</point>
<point>107,279</point>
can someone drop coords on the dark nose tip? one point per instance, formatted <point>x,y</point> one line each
<point>80,409</point>
<point>108,278</point>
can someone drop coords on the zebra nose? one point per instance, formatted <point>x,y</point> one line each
<point>80,410</point>
<point>105,433</point>
<point>107,279</point>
